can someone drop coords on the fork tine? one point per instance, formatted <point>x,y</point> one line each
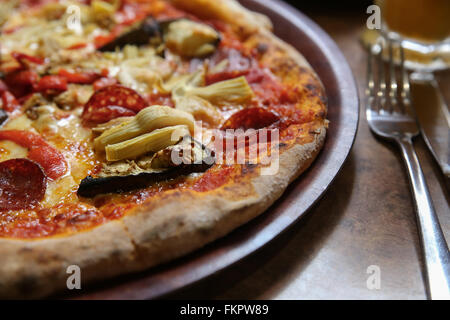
<point>381,93</point>
<point>405,86</point>
<point>393,87</point>
<point>370,82</point>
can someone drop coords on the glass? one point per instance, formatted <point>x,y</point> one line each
<point>423,26</point>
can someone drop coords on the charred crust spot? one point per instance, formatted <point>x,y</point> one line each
<point>283,66</point>
<point>313,89</point>
<point>262,48</point>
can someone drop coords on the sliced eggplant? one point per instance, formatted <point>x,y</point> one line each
<point>146,32</point>
<point>3,117</point>
<point>148,171</point>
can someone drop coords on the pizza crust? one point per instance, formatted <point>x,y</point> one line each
<point>158,232</point>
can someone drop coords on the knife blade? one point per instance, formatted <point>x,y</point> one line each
<point>433,116</point>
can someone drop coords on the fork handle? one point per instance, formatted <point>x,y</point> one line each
<point>435,249</point>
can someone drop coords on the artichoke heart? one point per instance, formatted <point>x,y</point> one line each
<point>200,108</point>
<point>150,142</point>
<point>147,120</point>
<point>191,39</point>
<point>234,90</point>
<point>102,127</point>
<point>103,8</point>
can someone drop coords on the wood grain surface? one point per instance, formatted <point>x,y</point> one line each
<point>366,218</point>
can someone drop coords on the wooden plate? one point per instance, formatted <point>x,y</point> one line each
<point>332,68</point>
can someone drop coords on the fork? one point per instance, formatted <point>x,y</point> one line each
<point>391,117</point>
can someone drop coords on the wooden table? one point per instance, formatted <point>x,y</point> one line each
<point>366,218</point>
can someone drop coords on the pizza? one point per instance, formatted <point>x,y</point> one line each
<point>134,132</point>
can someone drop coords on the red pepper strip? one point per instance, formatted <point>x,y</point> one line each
<point>50,159</point>
<point>10,103</point>
<point>11,30</point>
<point>51,83</point>
<point>3,86</point>
<point>20,57</point>
<point>22,184</point>
<point>21,82</point>
<point>101,40</point>
<point>77,46</point>
<point>79,77</point>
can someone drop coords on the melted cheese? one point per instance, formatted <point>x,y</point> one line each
<point>62,190</point>
<point>72,133</point>
<point>10,150</point>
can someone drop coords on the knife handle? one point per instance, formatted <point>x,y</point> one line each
<point>436,253</point>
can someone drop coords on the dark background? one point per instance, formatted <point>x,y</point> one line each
<point>329,5</point>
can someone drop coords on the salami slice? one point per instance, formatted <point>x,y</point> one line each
<point>112,102</point>
<point>251,118</point>
<point>22,184</point>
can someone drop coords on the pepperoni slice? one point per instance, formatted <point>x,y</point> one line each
<point>111,102</point>
<point>251,118</point>
<point>22,184</point>
<point>51,160</point>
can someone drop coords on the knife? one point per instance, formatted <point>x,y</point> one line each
<point>433,116</point>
